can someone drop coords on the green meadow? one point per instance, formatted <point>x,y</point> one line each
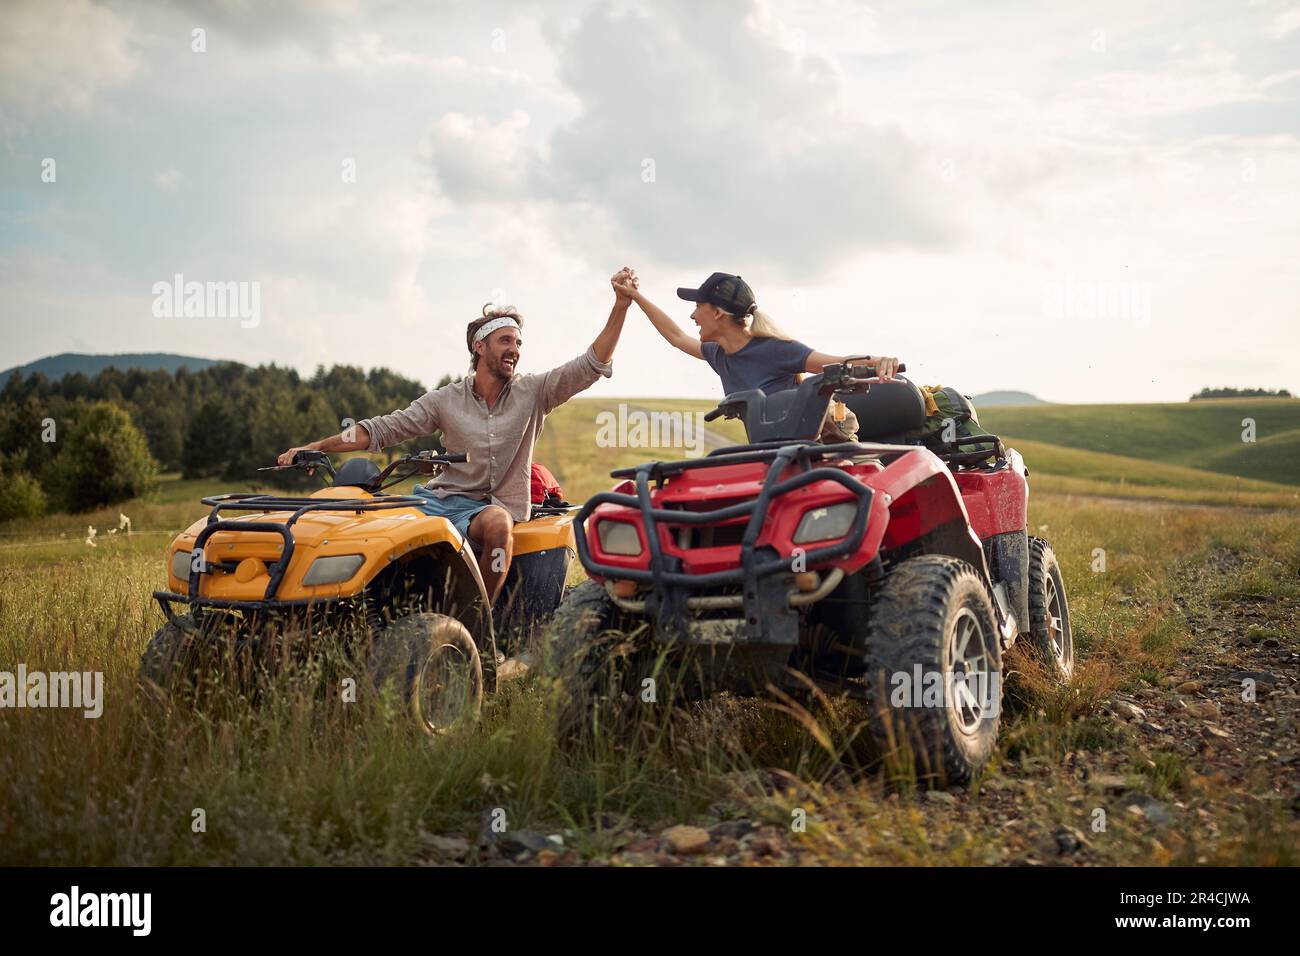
<point>1201,545</point>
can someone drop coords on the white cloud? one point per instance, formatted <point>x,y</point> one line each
<point>898,177</point>
<point>476,160</point>
<point>371,54</point>
<point>1285,23</point>
<point>168,180</point>
<point>60,55</point>
<point>309,24</point>
<point>702,135</point>
<point>1201,81</point>
<point>1277,79</point>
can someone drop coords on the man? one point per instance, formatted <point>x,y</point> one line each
<point>494,416</point>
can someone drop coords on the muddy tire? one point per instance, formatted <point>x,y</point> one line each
<point>433,663</point>
<point>597,667</point>
<point>165,657</point>
<point>174,659</point>
<point>1049,612</point>
<point>934,613</point>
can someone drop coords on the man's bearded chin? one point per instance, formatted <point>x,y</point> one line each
<point>498,367</point>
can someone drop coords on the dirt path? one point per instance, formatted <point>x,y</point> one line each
<point>1191,768</point>
<point>1163,504</point>
<point>711,438</point>
<point>1213,742</point>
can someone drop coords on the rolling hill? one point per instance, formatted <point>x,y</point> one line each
<point>65,363</point>
<point>1274,458</point>
<point>1188,453</point>
<point>1204,434</point>
<point>1005,398</point>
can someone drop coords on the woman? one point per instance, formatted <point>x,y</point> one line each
<point>743,345</point>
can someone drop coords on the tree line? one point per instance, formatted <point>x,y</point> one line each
<point>82,442</point>
<point>1242,393</point>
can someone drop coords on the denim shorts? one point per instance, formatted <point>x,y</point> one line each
<point>458,509</point>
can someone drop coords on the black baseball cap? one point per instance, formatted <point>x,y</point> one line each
<point>729,293</point>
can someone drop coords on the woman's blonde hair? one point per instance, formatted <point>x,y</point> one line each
<point>760,324</point>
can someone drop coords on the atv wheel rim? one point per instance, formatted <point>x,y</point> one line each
<point>970,682</point>
<point>446,687</point>
<point>1057,628</point>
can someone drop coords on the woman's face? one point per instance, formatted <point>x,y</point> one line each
<point>710,319</point>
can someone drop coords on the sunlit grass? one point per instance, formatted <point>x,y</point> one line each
<point>299,776</point>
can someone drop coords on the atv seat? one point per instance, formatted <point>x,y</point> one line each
<point>794,414</point>
<point>357,473</point>
<point>889,409</point>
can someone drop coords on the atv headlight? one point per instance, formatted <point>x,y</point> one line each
<point>334,569</point>
<point>181,565</point>
<point>823,524</point>
<point>619,537</point>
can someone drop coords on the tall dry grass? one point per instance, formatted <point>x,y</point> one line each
<point>297,776</point>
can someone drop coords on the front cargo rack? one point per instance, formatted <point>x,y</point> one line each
<point>268,503</point>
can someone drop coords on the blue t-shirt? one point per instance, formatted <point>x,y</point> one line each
<point>766,363</point>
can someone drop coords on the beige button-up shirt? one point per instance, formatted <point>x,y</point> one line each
<point>499,441</point>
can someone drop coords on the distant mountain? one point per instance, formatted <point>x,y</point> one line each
<point>56,366</point>
<point>990,399</point>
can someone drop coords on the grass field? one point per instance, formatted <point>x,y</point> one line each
<point>1202,434</point>
<point>1274,458</point>
<point>301,778</point>
<point>1072,470</point>
<point>1186,600</point>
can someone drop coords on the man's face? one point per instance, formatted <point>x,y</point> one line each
<point>499,353</point>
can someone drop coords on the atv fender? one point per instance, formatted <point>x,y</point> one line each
<point>927,512</point>
<point>455,588</point>
<point>1008,557</point>
<point>926,506</point>
<point>447,571</point>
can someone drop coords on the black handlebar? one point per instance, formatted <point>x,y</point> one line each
<point>845,376</point>
<point>865,371</point>
<point>423,463</point>
<point>305,460</point>
<point>847,373</point>
<point>311,460</point>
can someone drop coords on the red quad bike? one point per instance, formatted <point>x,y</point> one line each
<point>891,572</point>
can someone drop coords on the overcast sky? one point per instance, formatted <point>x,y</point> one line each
<point>1091,201</point>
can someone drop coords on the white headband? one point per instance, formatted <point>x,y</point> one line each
<point>489,327</point>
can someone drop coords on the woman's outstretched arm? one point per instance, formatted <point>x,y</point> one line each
<point>662,321</point>
<point>886,367</point>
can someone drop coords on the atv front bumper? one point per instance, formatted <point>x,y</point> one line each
<point>727,630</point>
<point>166,599</point>
<point>767,602</point>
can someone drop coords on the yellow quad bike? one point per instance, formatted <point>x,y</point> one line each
<point>353,563</point>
